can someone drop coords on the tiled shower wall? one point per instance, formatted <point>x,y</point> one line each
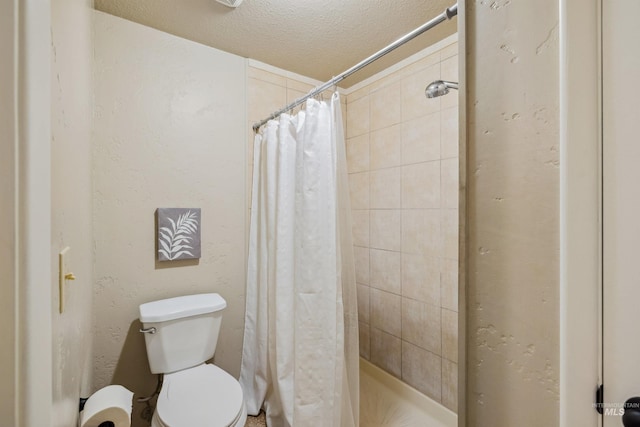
<point>402,153</point>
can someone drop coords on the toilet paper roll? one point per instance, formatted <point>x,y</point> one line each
<point>112,403</point>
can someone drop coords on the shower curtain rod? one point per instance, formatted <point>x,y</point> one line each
<point>449,13</point>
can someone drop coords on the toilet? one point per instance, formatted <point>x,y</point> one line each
<point>181,334</point>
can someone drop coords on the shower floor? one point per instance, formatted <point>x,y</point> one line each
<point>387,402</point>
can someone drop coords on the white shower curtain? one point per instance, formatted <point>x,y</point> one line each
<point>300,354</point>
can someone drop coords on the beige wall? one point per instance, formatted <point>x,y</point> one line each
<point>513,214</point>
<point>403,169</point>
<point>169,132</point>
<point>8,135</point>
<point>71,194</point>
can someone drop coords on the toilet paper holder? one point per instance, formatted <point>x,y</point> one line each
<point>83,400</point>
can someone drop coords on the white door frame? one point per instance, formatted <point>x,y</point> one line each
<point>580,211</point>
<point>27,211</point>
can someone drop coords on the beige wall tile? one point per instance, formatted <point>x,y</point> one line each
<point>363,303</point>
<point>358,117</point>
<point>386,106</point>
<point>266,76</point>
<point>450,188</point>
<point>421,278</point>
<point>360,225</point>
<point>422,370</point>
<point>449,284</point>
<point>359,190</point>
<point>421,232</point>
<point>292,95</point>
<point>385,147</point>
<point>385,311</point>
<point>385,270</point>
<point>449,100</point>
<point>450,385</point>
<point>358,153</point>
<point>365,340</point>
<point>421,64</point>
<point>421,185</point>
<point>421,325</point>
<point>385,229</point>
<point>263,99</point>
<point>449,71</point>
<point>450,233</point>
<point>450,335</point>
<point>421,139</point>
<point>449,68</point>
<point>414,102</point>
<point>354,96</point>
<point>449,134</point>
<point>449,51</point>
<point>384,82</point>
<point>386,351</point>
<point>361,259</point>
<point>299,86</point>
<point>385,188</point>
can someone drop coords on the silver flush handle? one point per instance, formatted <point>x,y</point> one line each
<point>151,330</point>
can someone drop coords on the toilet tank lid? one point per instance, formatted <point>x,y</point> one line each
<point>178,307</point>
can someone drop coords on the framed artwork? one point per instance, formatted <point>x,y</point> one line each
<point>178,233</point>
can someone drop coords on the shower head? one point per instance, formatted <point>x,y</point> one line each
<point>439,88</point>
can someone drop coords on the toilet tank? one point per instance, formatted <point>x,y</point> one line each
<point>186,331</point>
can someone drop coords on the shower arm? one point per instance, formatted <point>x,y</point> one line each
<point>448,14</point>
<point>450,85</point>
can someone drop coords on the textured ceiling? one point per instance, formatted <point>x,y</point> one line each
<point>315,38</point>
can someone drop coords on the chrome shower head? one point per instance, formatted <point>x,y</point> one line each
<point>439,88</point>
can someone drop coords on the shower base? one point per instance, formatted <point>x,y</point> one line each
<point>385,401</point>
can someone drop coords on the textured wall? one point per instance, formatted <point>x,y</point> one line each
<point>169,132</point>
<point>7,213</point>
<point>71,195</point>
<point>402,153</point>
<point>513,213</point>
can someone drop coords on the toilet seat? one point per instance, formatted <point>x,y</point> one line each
<point>203,396</point>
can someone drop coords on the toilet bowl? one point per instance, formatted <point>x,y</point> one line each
<point>180,335</point>
<point>203,396</point>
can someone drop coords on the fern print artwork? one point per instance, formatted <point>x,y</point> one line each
<point>178,233</point>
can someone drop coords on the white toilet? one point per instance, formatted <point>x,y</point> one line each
<point>181,334</point>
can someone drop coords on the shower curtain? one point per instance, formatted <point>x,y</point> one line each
<point>300,354</point>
